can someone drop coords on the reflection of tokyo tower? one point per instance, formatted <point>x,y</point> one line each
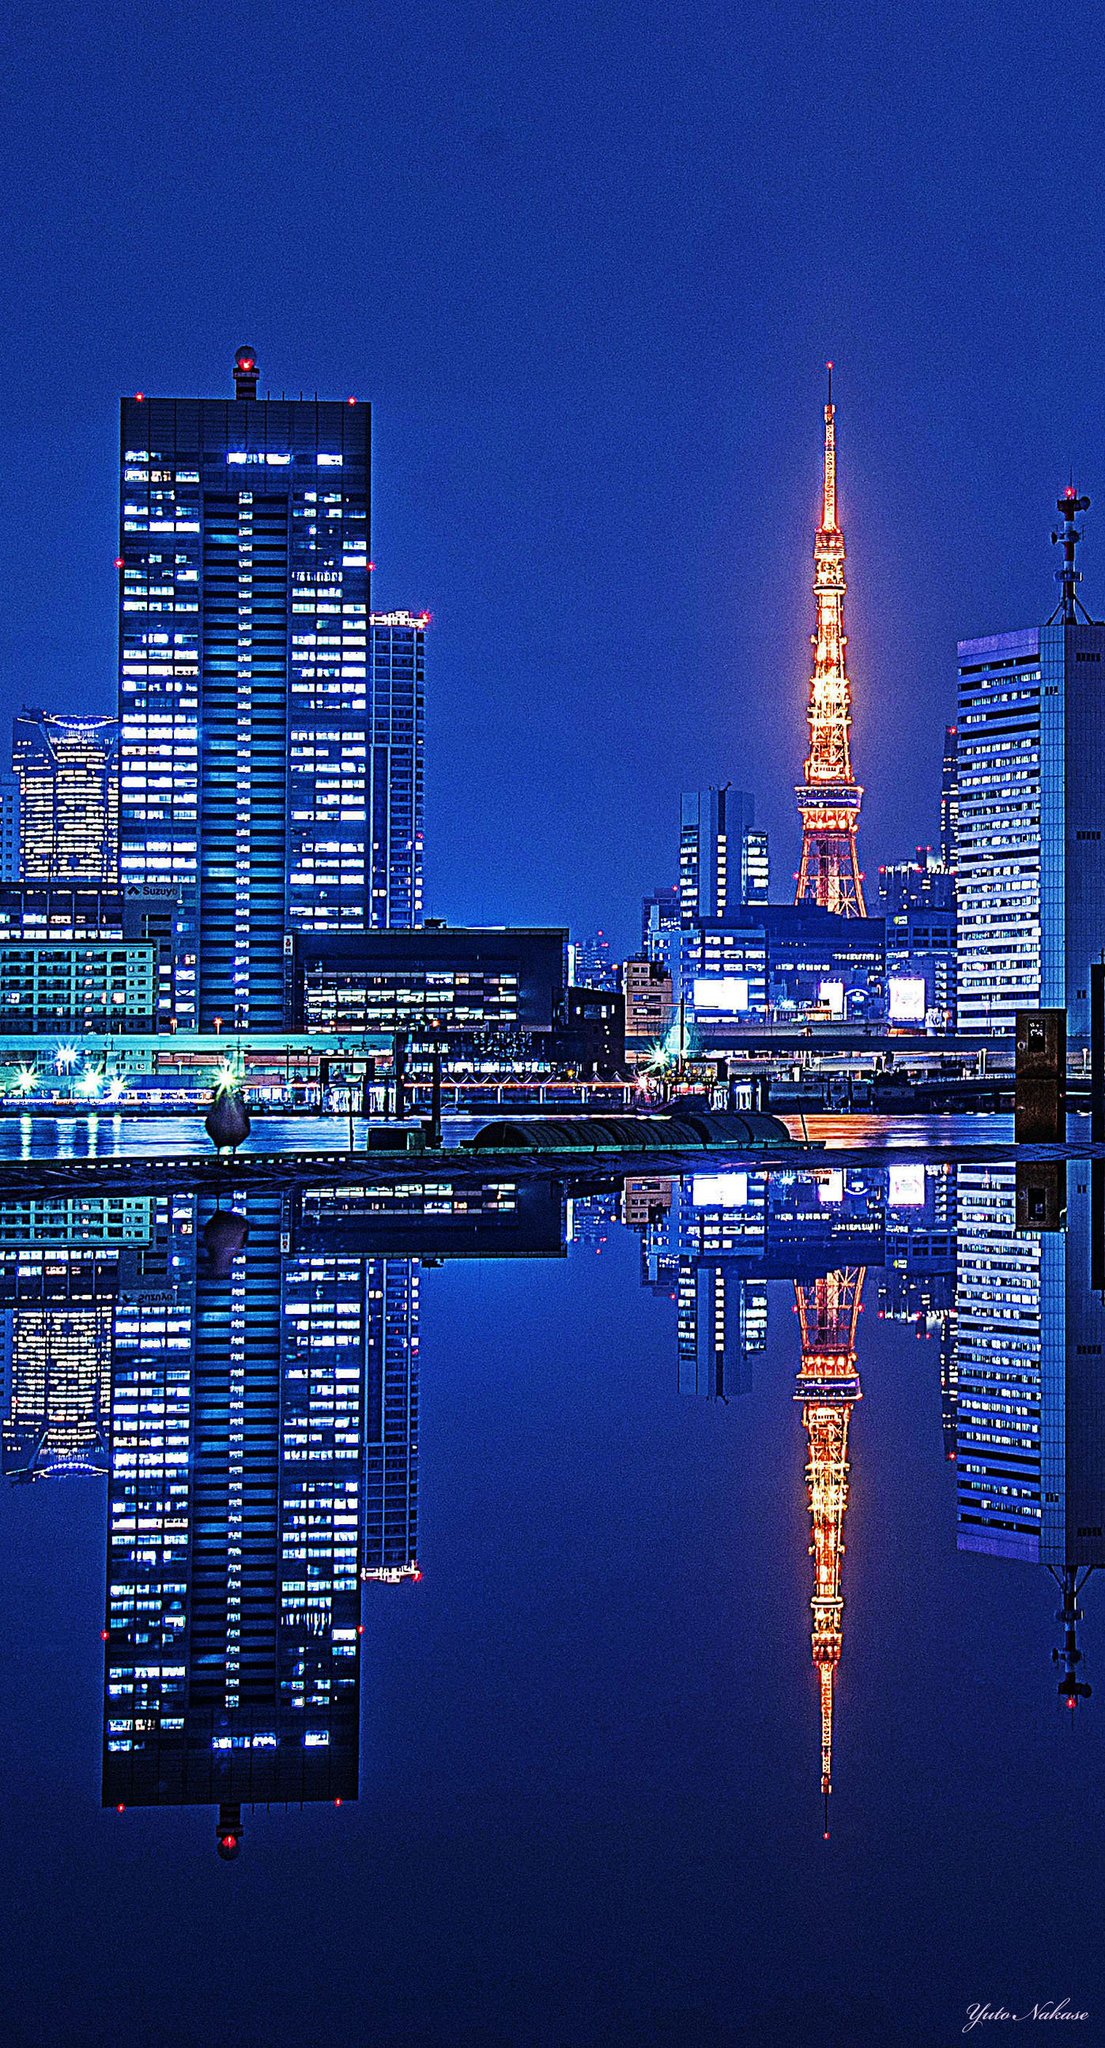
<point>828,1384</point>
<point>829,798</point>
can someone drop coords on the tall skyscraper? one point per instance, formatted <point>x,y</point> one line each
<point>67,769</point>
<point>591,963</point>
<point>244,684</point>
<point>1031,838</point>
<point>723,859</point>
<point>9,828</point>
<point>356,788</point>
<point>830,797</point>
<point>949,800</point>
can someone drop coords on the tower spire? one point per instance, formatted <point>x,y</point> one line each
<point>829,798</point>
<point>828,496</point>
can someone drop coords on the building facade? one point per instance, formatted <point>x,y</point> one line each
<point>244,649</point>
<point>917,900</point>
<point>443,977</point>
<point>649,999</point>
<point>92,959</point>
<point>1031,835</point>
<point>723,859</point>
<point>67,771</point>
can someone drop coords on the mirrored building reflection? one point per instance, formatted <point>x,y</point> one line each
<point>1031,1378</point>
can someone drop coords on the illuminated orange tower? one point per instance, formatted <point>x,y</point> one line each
<point>828,1387</point>
<point>830,797</point>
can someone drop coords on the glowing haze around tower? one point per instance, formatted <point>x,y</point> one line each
<point>829,798</point>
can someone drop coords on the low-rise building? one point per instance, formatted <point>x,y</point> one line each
<point>649,999</point>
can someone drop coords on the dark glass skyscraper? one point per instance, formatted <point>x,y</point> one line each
<point>245,677</point>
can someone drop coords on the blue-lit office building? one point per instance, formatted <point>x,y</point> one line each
<point>1030,1349</point>
<point>271,728</point>
<point>723,857</point>
<point>786,958</point>
<point>1030,846</point>
<point>917,900</point>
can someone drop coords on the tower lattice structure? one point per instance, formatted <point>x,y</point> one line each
<point>828,1388</point>
<point>829,798</point>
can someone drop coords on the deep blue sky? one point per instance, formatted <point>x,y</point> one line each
<point>587,262</point>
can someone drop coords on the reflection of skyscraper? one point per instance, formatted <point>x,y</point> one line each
<point>828,1387</point>
<point>391,1420</point>
<point>60,1260</point>
<point>722,1319</point>
<point>1031,1359</point>
<point>233,1596</point>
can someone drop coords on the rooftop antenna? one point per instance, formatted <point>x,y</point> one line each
<point>1070,606</point>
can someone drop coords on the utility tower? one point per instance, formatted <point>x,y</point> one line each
<point>830,797</point>
<point>828,1387</point>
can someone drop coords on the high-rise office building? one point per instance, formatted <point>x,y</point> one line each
<point>917,899</point>
<point>723,858</point>
<point>1031,835</point>
<point>660,926</point>
<point>949,800</point>
<point>356,787</point>
<point>9,828</point>
<point>591,963</point>
<point>67,769</point>
<point>245,688</point>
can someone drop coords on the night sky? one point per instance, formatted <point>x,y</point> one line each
<point>587,263</point>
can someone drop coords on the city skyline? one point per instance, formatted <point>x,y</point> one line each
<point>300,884</point>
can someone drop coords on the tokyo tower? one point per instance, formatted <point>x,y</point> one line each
<point>828,1388</point>
<point>830,797</point>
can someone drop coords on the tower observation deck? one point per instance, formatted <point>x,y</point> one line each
<point>829,798</point>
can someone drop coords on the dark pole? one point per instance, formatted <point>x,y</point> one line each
<point>435,1097</point>
<point>1097,1052</point>
<point>400,1063</point>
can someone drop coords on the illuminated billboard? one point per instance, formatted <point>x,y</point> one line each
<point>832,995</point>
<point>719,1191</point>
<point>726,995</point>
<point>907,999</point>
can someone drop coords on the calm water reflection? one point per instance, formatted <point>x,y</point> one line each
<point>521,1583</point>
